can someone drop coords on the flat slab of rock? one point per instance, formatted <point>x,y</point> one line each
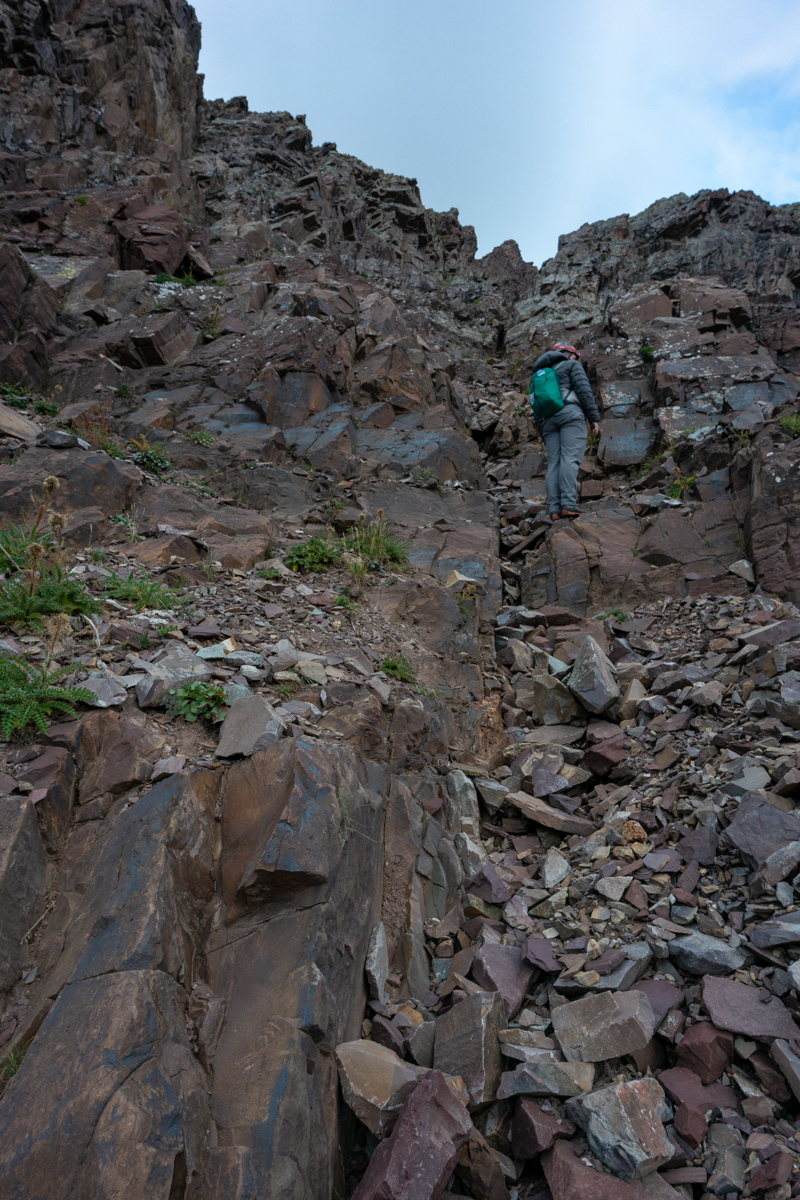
<point>740,1009</point>
<point>250,725</point>
<point>375,1083</point>
<point>502,969</point>
<point>467,1044</point>
<point>177,667</point>
<point>759,829</point>
<point>788,1062</point>
<point>593,680</point>
<point>701,954</point>
<point>547,1079</point>
<point>419,1157</point>
<point>780,931</point>
<point>624,1125</point>
<point>570,1178</point>
<point>554,735</point>
<point>23,879</point>
<point>14,424</point>
<point>377,967</point>
<point>607,1025</point>
<point>535,1129</point>
<point>553,818</point>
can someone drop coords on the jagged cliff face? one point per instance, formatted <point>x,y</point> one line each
<point>184,923</point>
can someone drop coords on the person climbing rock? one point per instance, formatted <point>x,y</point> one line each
<point>562,403</point>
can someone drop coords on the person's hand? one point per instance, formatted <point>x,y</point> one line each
<point>594,429</point>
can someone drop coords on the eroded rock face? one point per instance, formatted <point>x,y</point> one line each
<point>512,830</point>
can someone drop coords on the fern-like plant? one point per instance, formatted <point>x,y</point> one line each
<point>30,693</point>
<point>26,602</point>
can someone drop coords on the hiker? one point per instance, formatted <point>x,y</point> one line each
<point>562,403</point>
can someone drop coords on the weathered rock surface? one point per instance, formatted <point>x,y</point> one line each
<point>604,1026</point>
<point>418,1159</point>
<point>624,1125</point>
<point>546,776</point>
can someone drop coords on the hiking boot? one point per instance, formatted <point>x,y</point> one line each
<point>569,513</point>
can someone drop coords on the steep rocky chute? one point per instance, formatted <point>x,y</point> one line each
<point>485,887</point>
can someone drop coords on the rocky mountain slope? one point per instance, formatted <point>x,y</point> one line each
<point>476,876</point>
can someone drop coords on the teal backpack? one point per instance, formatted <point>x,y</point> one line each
<point>545,394</point>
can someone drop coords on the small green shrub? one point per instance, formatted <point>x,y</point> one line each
<point>346,603</point>
<point>201,437</point>
<point>155,459</point>
<point>9,1065</point>
<point>82,200</point>
<point>14,396</point>
<point>791,425</point>
<point>44,408</point>
<point>124,390</point>
<point>140,592</point>
<point>30,693</point>
<point>647,353</point>
<point>187,280</point>
<point>198,702</point>
<point>376,546</point>
<point>287,689</point>
<point>271,573</point>
<point>680,486</point>
<point>398,667</point>
<point>314,555</point>
<point>127,522</point>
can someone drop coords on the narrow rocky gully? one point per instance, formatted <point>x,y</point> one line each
<point>384,840</point>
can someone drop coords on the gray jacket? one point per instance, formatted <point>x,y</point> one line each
<point>571,378</point>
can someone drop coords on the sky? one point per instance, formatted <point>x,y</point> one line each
<point>531,117</point>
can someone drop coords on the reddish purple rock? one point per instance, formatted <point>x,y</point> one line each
<point>417,1160</point>
<point>570,1178</point>
<point>539,952</point>
<point>535,1129</point>
<point>740,1009</point>
<point>706,1050</point>
<point>772,1173</point>
<point>497,968</point>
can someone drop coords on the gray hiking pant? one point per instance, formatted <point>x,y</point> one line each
<point>565,438</point>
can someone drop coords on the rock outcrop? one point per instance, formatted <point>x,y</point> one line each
<point>401,843</point>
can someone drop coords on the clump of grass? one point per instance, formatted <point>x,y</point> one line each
<point>187,280</point>
<point>287,689</point>
<point>44,408</point>
<point>647,353</point>
<point>398,667</point>
<point>31,558</point>
<point>140,592</point>
<point>14,396</point>
<point>201,437</point>
<point>345,603</point>
<point>198,702</point>
<point>124,390</point>
<point>127,522</point>
<point>375,545</point>
<point>155,459</point>
<point>29,693</point>
<point>9,1065</point>
<point>82,200</point>
<point>316,554</point>
<point>791,425</point>
<point>271,573</point>
<point>680,486</point>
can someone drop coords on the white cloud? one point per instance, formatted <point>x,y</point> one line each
<point>530,116</point>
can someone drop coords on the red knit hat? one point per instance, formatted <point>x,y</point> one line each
<point>569,349</point>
